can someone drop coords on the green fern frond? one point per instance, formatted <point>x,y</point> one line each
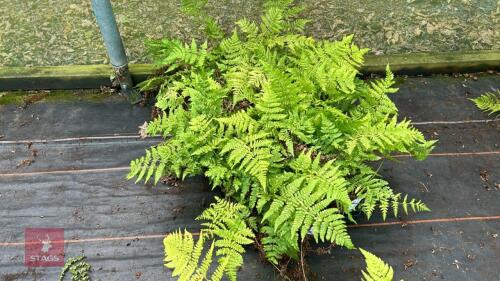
<point>228,232</point>
<point>376,269</point>
<point>489,102</point>
<point>270,106</point>
<point>325,178</point>
<point>167,124</point>
<point>389,136</point>
<point>190,54</point>
<point>226,222</point>
<point>252,154</point>
<point>243,79</point>
<point>296,43</point>
<point>250,29</point>
<point>182,255</point>
<point>375,192</point>
<point>175,54</point>
<point>240,122</point>
<point>145,166</point>
<point>272,21</point>
<point>232,50</point>
<point>303,204</point>
<point>276,245</point>
<point>212,28</point>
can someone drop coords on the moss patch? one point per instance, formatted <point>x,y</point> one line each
<point>26,98</point>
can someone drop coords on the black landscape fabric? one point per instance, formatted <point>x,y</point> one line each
<point>53,175</point>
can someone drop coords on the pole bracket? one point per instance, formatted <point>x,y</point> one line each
<point>105,18</point>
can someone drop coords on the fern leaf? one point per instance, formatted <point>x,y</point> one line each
<point>376,269</point>
<point>252,154</point>
<point>182,255</point>
<point>226,227</point>
<point>225,220</point>
<point>272,20</point>
<point>489,102</point>
<point>304,203</point>
<point>247,27</point>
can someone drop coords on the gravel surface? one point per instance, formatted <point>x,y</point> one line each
<point>55,32</point>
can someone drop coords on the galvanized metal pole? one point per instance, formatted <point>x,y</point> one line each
<point>107,24</point>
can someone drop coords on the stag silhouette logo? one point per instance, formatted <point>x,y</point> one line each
<point>46,244</point>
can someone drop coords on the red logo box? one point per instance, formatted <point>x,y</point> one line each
<point>43,247</point>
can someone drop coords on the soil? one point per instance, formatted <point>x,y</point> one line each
<point>171,181</point>
<point>485,178</point>
<point>35,97</point>
<point>289,269</point>
<point>25,163</point>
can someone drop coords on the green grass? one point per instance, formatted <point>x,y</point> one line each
<point>50,32</point>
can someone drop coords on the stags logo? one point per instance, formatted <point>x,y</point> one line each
<point>43,247</point>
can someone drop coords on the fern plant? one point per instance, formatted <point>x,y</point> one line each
<point>489,102</point>
<point>284,125</point>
